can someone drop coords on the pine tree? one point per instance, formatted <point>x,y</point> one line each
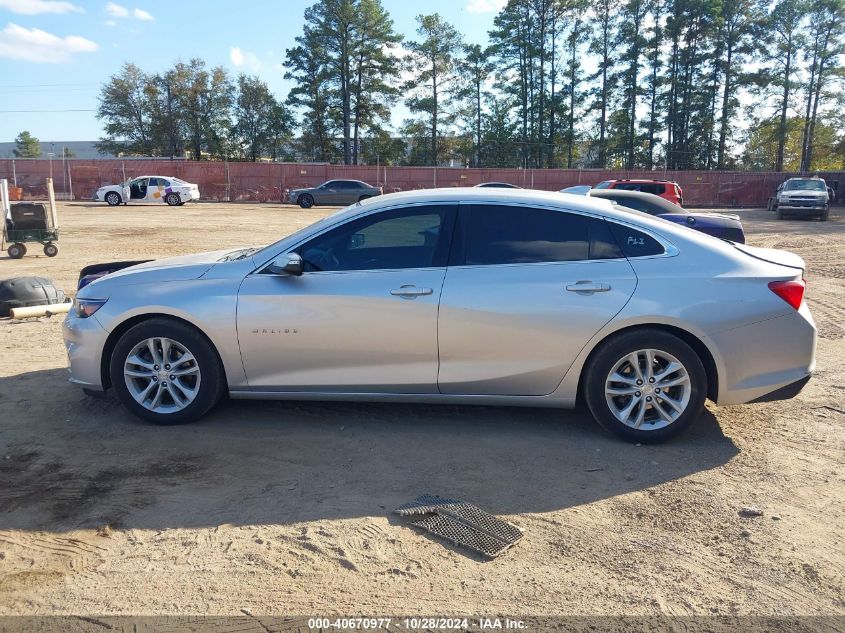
<point>26,146</point>
<point>433,63</point>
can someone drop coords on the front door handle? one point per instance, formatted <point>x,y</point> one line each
<point>410,291</point>
<point>588,287</point>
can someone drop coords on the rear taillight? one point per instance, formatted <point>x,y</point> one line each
<point>790,291</point>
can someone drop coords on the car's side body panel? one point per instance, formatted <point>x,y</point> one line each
<point>515,329</point>
<point>708,289</point>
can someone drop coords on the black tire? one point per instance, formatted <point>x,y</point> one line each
<point>173,199</point>
<point>212,385</point>
<point>617,348</point>
<point>16,251</point>
<point>779,214</point>
<point>824,217</point>
<point>113,198</point>
<point>51,250</point>
<point>306,201</point>
<point>364,197</point>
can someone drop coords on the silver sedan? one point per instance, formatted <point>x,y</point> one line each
<point>467,296</point>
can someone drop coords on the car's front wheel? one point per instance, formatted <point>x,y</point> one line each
<point>645,385</point>
<point>306,201</point>
<point>166,372</point>
<point>113,199</point>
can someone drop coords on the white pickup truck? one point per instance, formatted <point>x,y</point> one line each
<point>801,196</point>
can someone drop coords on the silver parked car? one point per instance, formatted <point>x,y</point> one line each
<point>466,295</point>
<point>333,192</point>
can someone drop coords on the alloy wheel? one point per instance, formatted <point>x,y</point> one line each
<point>162,375</point>
<point>648,389</point>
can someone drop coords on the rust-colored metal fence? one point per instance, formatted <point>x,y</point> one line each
<point>268,182</point>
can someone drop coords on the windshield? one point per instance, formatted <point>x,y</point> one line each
<point>809,183</point>
<point>603,184</point>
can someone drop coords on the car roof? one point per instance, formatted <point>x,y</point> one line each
<point>624,193</point>
<point>671,182</point>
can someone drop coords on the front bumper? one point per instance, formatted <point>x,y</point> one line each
<point>85,340</point>
<point>96,197</point>
<point>764,357</point>
<point>802,208</point>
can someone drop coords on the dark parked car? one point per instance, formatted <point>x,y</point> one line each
<point>499,185</point>
<point>723,225</point>
<point>333,192</point>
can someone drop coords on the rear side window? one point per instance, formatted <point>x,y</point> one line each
<point>501,234</point>
<point>635,243</point>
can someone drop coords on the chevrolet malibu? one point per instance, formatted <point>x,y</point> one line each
<point>464,296</point>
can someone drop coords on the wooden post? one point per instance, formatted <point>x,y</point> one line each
<point>52,197</point>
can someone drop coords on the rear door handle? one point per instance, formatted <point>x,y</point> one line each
<point>410,291</point>
<point>588,287</point>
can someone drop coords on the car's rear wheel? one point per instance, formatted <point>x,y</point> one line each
<point>173,199</point>
<point>306,201</point>
<point>166,372</point>
<point>645,385</point>
<point>113,199</point>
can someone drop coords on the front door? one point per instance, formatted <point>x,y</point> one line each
<point>528,290</point>
<point>138,190</point>
<point>361,318</point>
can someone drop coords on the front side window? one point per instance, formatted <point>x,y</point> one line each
<point>413,237</point>
<point>501,234</point>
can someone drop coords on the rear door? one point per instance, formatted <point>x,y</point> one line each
<point>526,289</point>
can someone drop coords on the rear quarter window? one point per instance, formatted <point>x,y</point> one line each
<point>635,243</point>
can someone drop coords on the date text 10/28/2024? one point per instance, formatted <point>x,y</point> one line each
<point>421,623</point>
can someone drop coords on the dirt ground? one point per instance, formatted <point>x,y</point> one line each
<point>284,508</point>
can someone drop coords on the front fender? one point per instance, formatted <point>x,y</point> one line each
<point>209,305</point>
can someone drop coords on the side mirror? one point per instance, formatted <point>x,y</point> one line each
<point>288,264</point>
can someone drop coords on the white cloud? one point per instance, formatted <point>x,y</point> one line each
<point>117,10</point>
<point>110,23</point>
<point>140,14</point>
<point>37,7</point>
<point>244,59</point>
<point>485,6</point>
<point>35,45</point>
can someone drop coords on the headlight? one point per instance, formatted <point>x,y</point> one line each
<point>86,307</point>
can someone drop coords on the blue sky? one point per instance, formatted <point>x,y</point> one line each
<point>54,54</point>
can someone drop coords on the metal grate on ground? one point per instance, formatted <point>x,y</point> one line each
<point>461,523</point>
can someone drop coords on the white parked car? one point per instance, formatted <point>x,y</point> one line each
<point>148,189</point>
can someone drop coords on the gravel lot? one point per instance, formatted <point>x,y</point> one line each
<point>283,508</point>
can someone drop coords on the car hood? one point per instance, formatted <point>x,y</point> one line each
<point>182,268</point>
<point>813,193</point>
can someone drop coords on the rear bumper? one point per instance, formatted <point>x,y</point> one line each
<point>763,358</point>
<point>784,393</point>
